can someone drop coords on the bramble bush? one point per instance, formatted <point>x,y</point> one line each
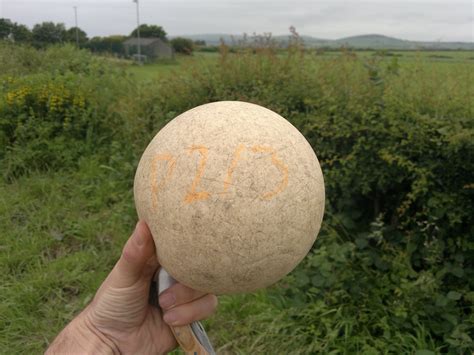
<point>391,271</point>
<point>396,144</point>
<point>61,112</point>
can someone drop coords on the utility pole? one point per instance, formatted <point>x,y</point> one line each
<point>138,33</point>
<point>77,28</point>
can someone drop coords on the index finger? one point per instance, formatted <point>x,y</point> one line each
<point>178,294</point>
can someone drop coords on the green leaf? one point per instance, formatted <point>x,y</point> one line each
<point>302,279</point>
<point>361,243</point>
<point>318,280</point>
<point>441,301</point>
<point>454,295</point>
<point>451,318</point>
<point>457,271</point>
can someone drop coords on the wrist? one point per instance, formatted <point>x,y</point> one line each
<point>80,336</point>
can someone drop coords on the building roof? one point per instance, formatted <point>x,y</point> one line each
<point>143,41</point>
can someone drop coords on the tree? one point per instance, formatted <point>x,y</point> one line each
<point>48,33</point>
<point>200,42</point>
<point>14,31</point>
<point>71,36</point>
<point>182,45</point>
<point>21,33</point>
<point>150,31</point>
<point>5,28</point>
<point>110,44</point>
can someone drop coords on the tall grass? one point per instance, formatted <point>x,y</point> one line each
<point>391,271</point>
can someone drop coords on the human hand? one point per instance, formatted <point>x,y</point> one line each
<point>120,318</point>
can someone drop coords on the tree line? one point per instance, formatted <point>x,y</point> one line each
<point>45,34</point>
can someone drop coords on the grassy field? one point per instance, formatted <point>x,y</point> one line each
<point>410,55</point>
<point>155,71</point>
<point>390,273</point>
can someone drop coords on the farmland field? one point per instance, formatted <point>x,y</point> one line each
<point>391,271</point>
<point>154,71</point>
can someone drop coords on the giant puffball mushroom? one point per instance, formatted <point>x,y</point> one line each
<point>233,195</point>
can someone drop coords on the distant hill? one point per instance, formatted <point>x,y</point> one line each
<point>384,42</point>
<point>376,42</point>
<point>373,41</point>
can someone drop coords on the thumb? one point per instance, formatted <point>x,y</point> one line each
<point>138,259</point>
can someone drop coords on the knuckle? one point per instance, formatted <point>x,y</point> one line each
<point>129,252</point>
<point>185,294</point>
<point>196,294</point>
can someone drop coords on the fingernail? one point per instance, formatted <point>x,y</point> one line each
<point>138,237</point>
<point>170,317</point>
<point>167,300</point>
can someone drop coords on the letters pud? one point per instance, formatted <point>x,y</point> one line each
<point>233,195</point>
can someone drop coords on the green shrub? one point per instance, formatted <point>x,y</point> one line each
<point>397,150</point>
<point>182,45</point>
<point>50,118</point>
<point>20,60</point>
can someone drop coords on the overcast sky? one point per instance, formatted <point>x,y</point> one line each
<point>441,20</point>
